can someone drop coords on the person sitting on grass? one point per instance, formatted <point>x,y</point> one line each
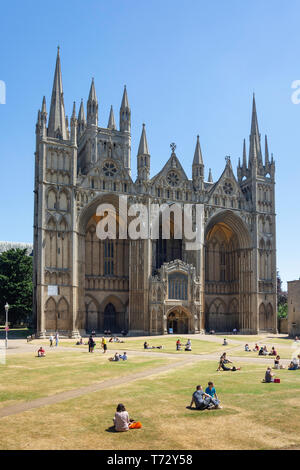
<point>111,339</point>
<point>277,364</point>
<point>273,352</point>
<point>294,364</point>
<point>41,352</point>
<point>122,422</point>
<point>115,358</point>
<point>247,349</point>
<point>226,360</point>
<point>225,342</point>
<point>124,357</point>
<point>201,399</point>
<point>265,350</point>
<point>269,376</point>
<point>211,391</point>
<point>178,345</point>
<point>222,365</point>
<point>262,351</point>
<point>256,347</point>
<point>188,346</point>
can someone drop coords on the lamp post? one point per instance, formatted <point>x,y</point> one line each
<point>6,306</point>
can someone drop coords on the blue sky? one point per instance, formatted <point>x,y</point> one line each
<point>190,68</point>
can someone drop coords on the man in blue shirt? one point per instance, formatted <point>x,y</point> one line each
<point>211,391</point>
<point>201,399</point>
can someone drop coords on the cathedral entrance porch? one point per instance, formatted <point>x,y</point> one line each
<point>178,321</point>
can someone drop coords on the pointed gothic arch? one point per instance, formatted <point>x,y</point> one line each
<point>227,272</point>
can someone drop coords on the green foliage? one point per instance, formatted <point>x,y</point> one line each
<point>282,310</point>
<point>16,285</point>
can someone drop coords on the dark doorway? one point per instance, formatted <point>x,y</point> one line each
<point>110,322</point>
<point>178,321</point>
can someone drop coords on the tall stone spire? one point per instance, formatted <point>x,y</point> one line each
<point>81,120</point>
<point>125,113</point>
<point>198,167</point>
<point>74,124</point>
<point>255,148</point>
<point>244,156</point>
<point>143,158</point>
<point>198,160</point>
<point>111,121</point>
<point>210,178</point>
<point>267,161</point>
<point>57,118</point>
<point>143,147</point>
<point>44,118</point>
<point>92,106</point>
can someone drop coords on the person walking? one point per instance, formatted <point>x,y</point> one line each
<point>56,339</point>
<point>51,340</point>
<point>104,345</point>
<point>91,344</point>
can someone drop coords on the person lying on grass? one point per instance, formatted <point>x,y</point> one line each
<point>115,358</point>
<point>202,400</point>
<point>211,391</point>
<point>124,356</point>
<point>41,352</point>
<point>269,376</point>
<point>122,422</point>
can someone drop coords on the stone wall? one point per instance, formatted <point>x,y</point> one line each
<point>294,308</point>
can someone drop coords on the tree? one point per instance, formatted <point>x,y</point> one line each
<point>282,299</point>
<point>16,285</point>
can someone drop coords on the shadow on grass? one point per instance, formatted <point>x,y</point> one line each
<point>111,429</point>
<point>215,412</point>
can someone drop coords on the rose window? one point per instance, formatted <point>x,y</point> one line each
<point>109,169</point>
<point>173,179</point>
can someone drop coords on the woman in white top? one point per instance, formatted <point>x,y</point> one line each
<point>121,419</point>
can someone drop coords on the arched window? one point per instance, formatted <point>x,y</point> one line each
<point>178,286</point>
<point>108,257</point>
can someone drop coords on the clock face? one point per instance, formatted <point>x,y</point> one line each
<point>109,169</point>
<point>173,179</point>
<point>228,188</point>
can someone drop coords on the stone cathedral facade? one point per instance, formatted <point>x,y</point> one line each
<point>145,286</point>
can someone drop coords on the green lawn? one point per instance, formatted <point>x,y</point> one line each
<point>199,346</point>
<point>254,415</point>
<point>26,377</point>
